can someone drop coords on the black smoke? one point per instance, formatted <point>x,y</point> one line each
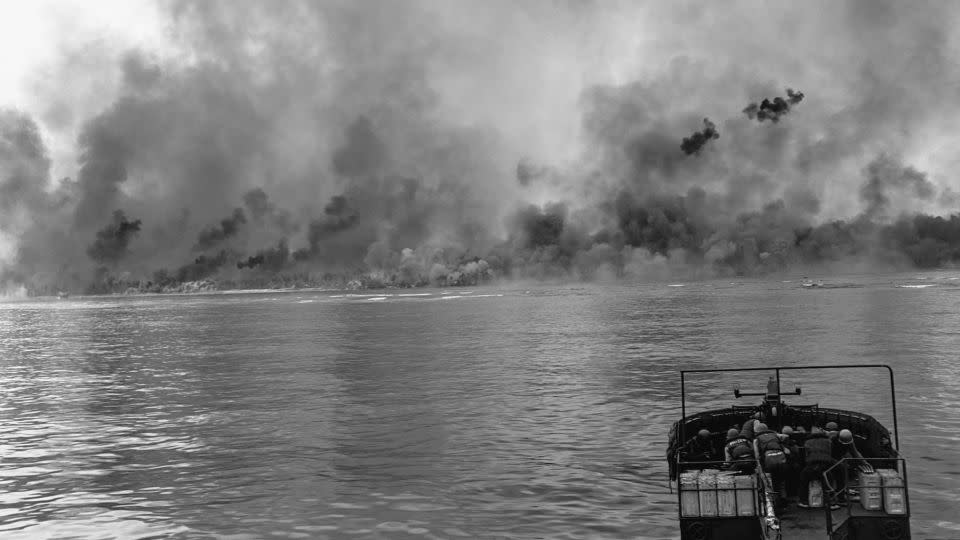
<point>272,259</point>
<point>338,215</point>
<point>694,143</point>
<point>774,109</point>
<point>216,235</point>
<point>538,227</point>
<point>113,240</point>
<point>661,224</point>
<point>202,267</point>
<point>928,241</point>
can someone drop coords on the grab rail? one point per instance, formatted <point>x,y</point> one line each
<point>777,370</point>
<point>841,465</point>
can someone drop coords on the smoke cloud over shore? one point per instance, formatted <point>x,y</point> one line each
<point>455,142</point>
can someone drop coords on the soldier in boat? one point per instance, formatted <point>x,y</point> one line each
<point>845,447</point>
<point>738,452</point>
<point>818,457</point>
<point>773,457</point>
<point>701,448</point>
<point>794,460</point>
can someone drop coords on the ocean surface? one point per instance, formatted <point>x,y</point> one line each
<point>495,412</point>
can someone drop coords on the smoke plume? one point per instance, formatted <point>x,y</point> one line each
<point>24,170</point>
<point>316,143</point>
<point>274,258</point>
<point>112,240</point>
<point>886,176</point>
<point>775,109</point>
<point>214,236</point>
<point>694,143</point>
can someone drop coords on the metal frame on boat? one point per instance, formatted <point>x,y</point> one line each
<point>712,504</point>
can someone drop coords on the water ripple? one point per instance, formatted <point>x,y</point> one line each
<point>520,413</point>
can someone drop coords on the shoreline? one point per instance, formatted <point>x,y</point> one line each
<point>833,281</point>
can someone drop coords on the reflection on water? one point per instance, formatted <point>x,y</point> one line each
<point>521,413</point>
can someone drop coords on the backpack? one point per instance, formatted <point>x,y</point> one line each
<point>774,458</point>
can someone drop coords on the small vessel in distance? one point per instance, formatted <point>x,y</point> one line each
<point>63,295</point>
<point>808,283</point>
<point>716,503</point>
<point>819,284</point>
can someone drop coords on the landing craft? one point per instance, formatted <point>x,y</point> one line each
<point>717,503</point>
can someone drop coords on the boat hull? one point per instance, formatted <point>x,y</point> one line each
<point>702,528</point>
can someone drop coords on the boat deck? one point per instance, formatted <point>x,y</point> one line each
<point>811,523</point>
<point>805,523</point>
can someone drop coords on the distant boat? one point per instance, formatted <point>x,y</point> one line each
<point>63,295</point>
<point>810,284</point>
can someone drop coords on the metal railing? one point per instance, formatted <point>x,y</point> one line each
<point>832,493</point>
<point>777,370</point>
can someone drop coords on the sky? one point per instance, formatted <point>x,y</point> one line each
<point>70,48</point>
<point>73,46</point>
<point>38,37</point>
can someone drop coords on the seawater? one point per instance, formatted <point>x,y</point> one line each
<point>498,412</point>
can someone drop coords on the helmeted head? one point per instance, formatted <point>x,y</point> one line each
<point>816,429</point>
<point>831,426</point>
<point>783,436</point>
<point>732,433</point>
<point>801,429</point>
<point>703,434</point>
<point>762,427</point>
<point>787,430</point>
<point>846,437</point>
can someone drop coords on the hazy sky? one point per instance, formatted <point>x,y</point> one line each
<point>38,37</point>
<point>68,51</point>
<point>34,34</point>
<point>61,65</point>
